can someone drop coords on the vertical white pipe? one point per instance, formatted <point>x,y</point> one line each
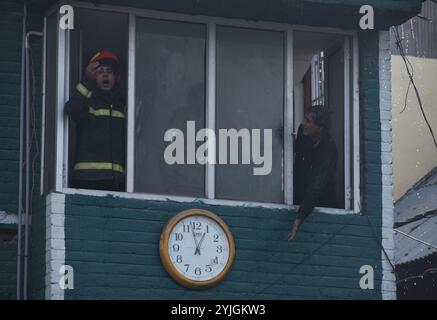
<point>288,119</point>
<point>356,126</point>
<point>66,122</point>
<point>210,103</point>
<point>27,174</point>
<point>60,101</point>
<point>347,123</point>
<point>130,168</point>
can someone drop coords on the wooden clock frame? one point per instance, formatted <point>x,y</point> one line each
<point>165,256</point>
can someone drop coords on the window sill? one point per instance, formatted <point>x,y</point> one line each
<point>233,203</point>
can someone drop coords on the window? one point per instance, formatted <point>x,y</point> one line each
<point>217,74</point>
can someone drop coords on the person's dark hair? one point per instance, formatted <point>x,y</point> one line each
<point>322,116</point>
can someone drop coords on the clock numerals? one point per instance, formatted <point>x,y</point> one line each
<point>197,225</point>
<point>216,237</point>
<point>179,259</point>
<point>187,228</point>
<point>193,226</point>
<point>198,271</point>
<point>179,236</point>
<point>219,249</point>
<point>176,248</point>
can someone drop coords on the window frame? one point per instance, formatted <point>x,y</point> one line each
<point>352,160</point>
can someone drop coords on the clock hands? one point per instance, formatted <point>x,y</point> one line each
<point>196,243</point>
<point>199,244</point>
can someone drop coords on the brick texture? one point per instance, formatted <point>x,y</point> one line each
<point>10,75</point>
<point>10,68</point>
<point>112,245</point>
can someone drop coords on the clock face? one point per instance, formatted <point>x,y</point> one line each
<point>197,248</point>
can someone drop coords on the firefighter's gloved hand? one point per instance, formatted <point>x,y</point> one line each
<point>91,70</point>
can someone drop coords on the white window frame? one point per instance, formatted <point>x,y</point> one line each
<point>43,104</point>
<point>211,23</point>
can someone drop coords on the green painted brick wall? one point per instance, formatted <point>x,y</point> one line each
<point>371,186</point>
<point>112,244</point>
<point>8,269</point>
<point>8,259</point>
<point>10,77</point>
<point>37,249</point>
<point>10,81</point>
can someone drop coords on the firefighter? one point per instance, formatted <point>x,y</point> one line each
<point>98,110</point>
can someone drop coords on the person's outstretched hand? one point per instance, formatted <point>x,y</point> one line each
<point>294,229</point>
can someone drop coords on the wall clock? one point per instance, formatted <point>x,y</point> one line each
<point>197,248</point>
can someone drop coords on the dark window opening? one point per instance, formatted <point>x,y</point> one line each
<point>96,31</point>
<point>319,79</point>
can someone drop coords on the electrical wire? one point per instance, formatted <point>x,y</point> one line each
<point>421,276</point>
<point>427,214</point>
<point>415,239</point>
<point>410,71</point>
<point>406,98</point>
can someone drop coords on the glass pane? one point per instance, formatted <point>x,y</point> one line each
<point>170,90</point>
<point>250,95</point>
<point>50,103</point>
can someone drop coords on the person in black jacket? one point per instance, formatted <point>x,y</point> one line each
<point>98,109</point>
<point>314,166</point>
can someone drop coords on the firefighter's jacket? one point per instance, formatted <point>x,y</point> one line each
<point>101,133</point>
